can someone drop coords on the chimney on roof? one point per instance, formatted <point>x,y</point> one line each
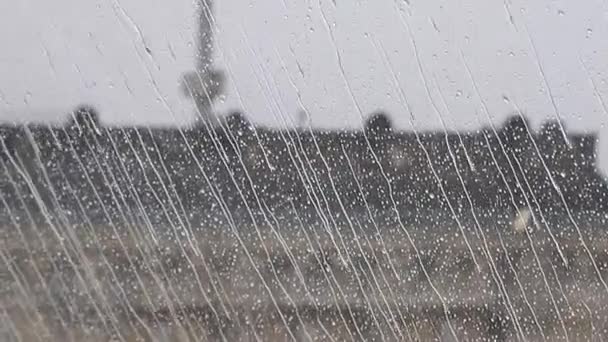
<point>84,119</point>
<point>237,124</point>
<point>515,131</point>
<point>378,125</point>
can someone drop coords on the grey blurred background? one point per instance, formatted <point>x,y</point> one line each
<point>280,57</point>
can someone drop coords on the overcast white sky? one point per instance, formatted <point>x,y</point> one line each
<point>279,56</point>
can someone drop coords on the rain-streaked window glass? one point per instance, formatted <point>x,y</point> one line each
<point>199,170</point>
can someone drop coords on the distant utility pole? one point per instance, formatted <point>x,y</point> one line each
<point>204,84</point>
<point>303,120</point>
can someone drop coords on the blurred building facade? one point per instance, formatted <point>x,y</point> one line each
<point>500,168</point>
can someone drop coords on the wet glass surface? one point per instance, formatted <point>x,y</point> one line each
<point>323,171</point>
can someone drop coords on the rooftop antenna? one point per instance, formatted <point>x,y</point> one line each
<point>204,84</point>
<point>302,120</point>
